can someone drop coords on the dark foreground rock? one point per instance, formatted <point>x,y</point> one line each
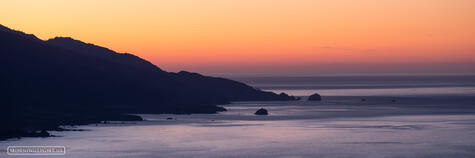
<point>261,111</point>
<point>37,123</point>
<point>315,97</point>
<point>42,133</point>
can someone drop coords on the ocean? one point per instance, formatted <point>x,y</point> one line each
<point>359,116</point>
<point>389,85</point>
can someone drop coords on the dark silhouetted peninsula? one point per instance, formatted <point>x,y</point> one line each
<point>63,81</point>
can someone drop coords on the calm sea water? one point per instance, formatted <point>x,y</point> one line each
<point>398,85</point>
<point>431,117</point>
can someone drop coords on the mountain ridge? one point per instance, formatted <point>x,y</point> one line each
<point>43,83</point>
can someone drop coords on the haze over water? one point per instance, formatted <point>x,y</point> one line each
<point>367,85</point>
<point>432,116</point>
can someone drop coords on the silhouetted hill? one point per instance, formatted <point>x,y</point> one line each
<point>61,77</point>
<point>225,88</point>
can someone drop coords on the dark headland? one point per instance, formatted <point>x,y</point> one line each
<point>62,81</point>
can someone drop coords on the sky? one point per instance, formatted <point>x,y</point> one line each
<point>276,37</point>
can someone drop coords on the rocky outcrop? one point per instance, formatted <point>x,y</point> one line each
<point>315,97</point>
<point>261,111</point>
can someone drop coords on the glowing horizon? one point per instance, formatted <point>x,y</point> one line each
<point>213,36</point>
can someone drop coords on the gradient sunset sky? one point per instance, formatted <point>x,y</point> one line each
<point>265,36</point>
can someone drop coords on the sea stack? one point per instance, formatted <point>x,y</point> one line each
<point>315,97</point>
<point>261,111</point>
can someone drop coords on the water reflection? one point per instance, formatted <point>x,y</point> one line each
<point>294,129</point>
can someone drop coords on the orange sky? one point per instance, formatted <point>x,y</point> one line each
<point>254,36</point>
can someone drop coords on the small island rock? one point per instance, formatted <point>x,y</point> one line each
<point>315,97</point>
<point>261,111</point>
